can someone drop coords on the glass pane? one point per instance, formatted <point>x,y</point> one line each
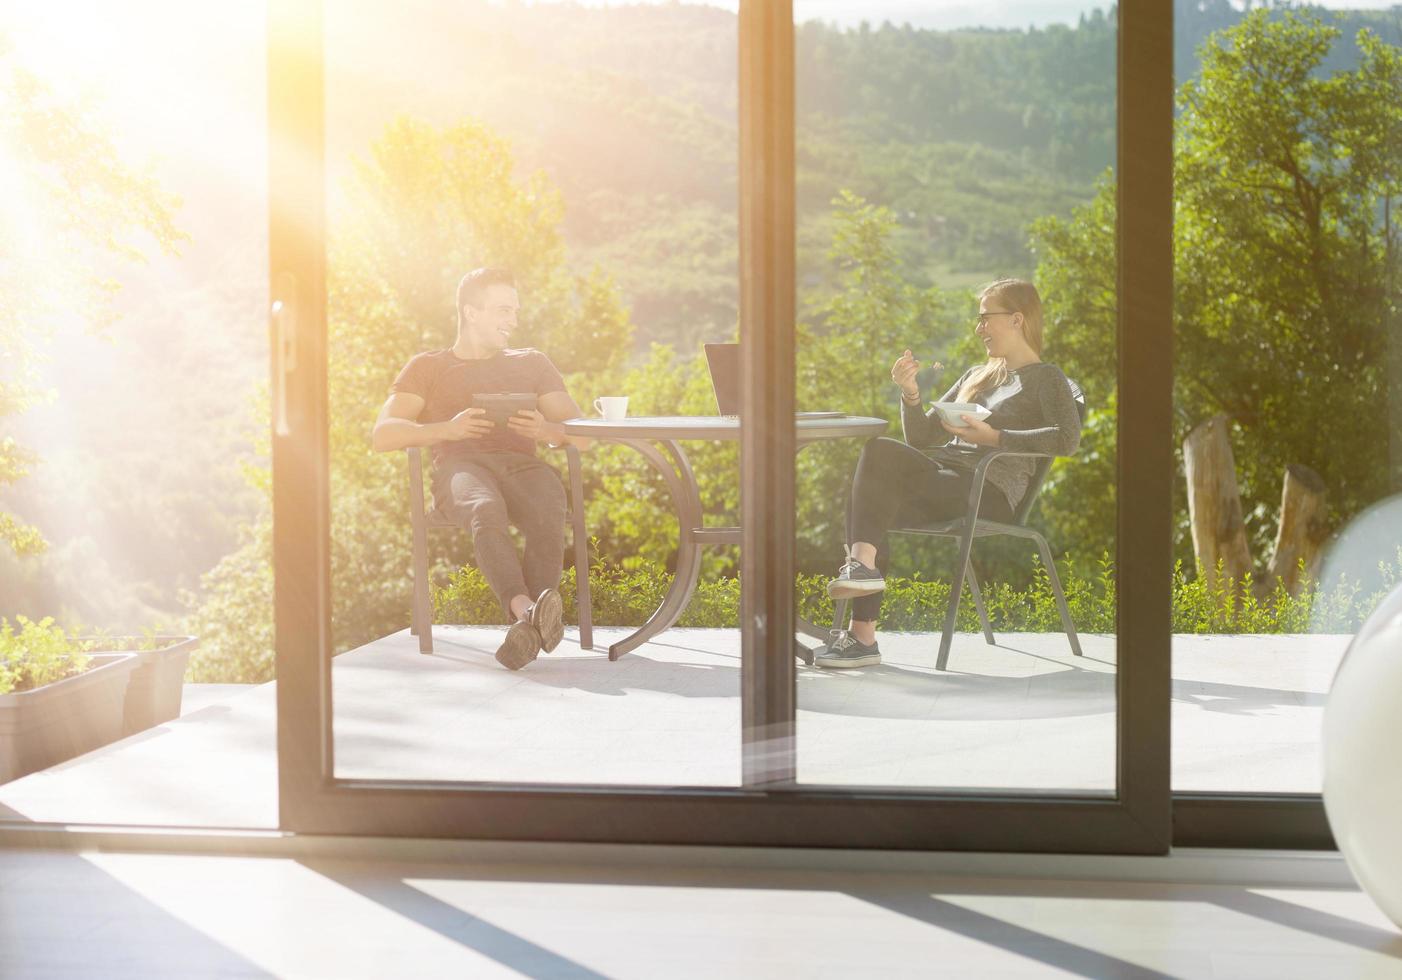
<point>592,153</point>
<point>1288,379</point>
<point>957,243</point>
<point>133,359</point>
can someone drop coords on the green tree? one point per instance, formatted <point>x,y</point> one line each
<point>1280,170</point>
<point>1281,280</point>
<point>71,205</point>
<point>427,205</point>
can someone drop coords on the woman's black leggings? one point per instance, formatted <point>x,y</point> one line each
<point>898,486</point>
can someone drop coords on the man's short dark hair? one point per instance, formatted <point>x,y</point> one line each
<point>473,286</point>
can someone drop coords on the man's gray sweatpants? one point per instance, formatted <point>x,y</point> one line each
<point>486,492</point>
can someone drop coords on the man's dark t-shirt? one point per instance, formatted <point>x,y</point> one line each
<point>447,383</point>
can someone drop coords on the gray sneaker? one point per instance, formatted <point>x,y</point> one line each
<point>855,579</point>
<point>521,646</point>
<point>547,615</point>
<point>845,650</point>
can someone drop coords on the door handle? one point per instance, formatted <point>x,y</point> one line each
<point>284,317</point>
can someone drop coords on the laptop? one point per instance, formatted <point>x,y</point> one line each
<point>724,363</point>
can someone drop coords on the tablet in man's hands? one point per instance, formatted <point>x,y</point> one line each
<point>504,406</point>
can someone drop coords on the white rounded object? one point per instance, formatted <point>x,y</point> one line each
<point>1362,754</point>
<point>951,412</point>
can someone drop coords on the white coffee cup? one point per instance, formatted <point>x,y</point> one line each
<point>612,407</point>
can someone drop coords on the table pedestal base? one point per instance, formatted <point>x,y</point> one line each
<point>693,535</point>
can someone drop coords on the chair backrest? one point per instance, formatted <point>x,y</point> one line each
<point>1039,475</point>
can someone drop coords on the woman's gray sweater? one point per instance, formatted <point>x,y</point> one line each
<point>1035,411</point>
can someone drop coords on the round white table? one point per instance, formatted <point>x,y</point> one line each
<point>644,435</point>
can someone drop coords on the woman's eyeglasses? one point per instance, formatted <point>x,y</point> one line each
<point>983,317</point>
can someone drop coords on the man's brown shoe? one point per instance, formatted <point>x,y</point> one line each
<point>548,617</point>
<point>521,646</point>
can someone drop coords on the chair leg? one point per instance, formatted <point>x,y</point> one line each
<point>839,614</point>
<point>977,593</point>
<point>426,617</point>
<point>415,610</point>
<point>956,586</point>
<point>583,597</point>
<point>1061,605</point>
<point>421,611</point>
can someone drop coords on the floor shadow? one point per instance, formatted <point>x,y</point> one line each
<point>895,692</point>
<point>387,888</point>
<point>598,675</point>
<point>1301,919</point>
<point>505,947</point>
<point>889,690</point>
<point>924,898</point>
<point>83,922</point>
<point>1243,899</point>
<point>62,915</point>
<point>1241,699</point>
<point>1028,943</point>
<point>1084,658</point>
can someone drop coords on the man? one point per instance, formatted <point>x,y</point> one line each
<point>486,476</point>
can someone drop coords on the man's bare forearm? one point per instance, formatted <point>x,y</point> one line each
<point>392,434</point>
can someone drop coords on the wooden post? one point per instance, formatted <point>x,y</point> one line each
<point>1302,529</point>
<point>1214,503</point>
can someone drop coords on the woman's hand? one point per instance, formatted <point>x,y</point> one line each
<point>903,374</point>
<point>979,432</point>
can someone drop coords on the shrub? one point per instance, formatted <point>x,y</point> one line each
<point>40,653</point>
<point>36,654</point>
<point>626,597</point>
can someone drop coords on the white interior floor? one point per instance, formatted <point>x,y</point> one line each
<point>625,912</point>
<point>1024,714</point>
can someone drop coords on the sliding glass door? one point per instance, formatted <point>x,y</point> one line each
<point>401,158</point>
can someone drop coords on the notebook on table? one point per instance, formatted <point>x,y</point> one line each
<point>723,360</point>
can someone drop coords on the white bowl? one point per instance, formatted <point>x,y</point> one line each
<point>950,412</point>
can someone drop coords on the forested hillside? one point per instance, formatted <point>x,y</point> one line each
<point>631,113</point>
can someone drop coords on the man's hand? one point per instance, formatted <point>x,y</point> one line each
<point>468,424</point>
<point>979,432</point>
<point>529,423</point>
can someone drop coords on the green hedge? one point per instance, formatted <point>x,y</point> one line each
<point>627,597</point>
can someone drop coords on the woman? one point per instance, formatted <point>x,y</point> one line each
<point>898,485</point>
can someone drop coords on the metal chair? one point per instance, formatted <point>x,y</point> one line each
<point>421,610</point>
<point>971,526</point>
